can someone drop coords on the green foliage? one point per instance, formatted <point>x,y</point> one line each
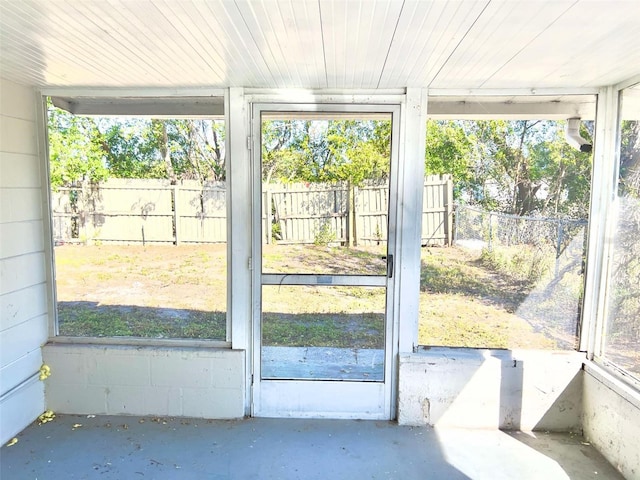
<point>524,263</point>
<point>80,319</point>
<point>629,184</point>
<point>87,148</point>
<point>132,149</point>
<point>75,149</point>
<point>326,151</point>
<point>522,167</point>
<point>623,325</point>
<point>448,151</point>
<point>325,235</point>
<point>340,330</point>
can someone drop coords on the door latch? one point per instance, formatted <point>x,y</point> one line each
<point>389,265</point>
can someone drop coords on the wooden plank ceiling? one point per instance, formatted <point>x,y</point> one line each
<point>320,44</point>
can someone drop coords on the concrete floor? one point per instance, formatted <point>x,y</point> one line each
<point>167,448</point>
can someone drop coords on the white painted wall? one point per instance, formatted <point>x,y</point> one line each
<point>129,380</point>
<point>528,390</point>
<point>611,419</point>
<point>23,292</point>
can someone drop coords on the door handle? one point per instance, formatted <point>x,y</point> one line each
<point>389,266</point>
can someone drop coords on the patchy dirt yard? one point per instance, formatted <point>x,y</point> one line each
<point>180,292</point>
<point>148,291</point>
<point>465,302</point>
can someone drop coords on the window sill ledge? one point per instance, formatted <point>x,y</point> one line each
<point>609,379</point>
<point>140,342</point>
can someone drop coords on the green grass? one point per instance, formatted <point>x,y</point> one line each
<point>180,292</point>
<point>132,321</point>
<point>322,330</point>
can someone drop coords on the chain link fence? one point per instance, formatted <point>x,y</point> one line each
<point>481,229</point>
<point>546,254</point>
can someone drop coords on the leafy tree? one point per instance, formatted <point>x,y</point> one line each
<point>326,151</point>
<point>565,175</point>
<point>278,158</point>
<point>359,150</point>
<point>630,157</point>
<point>521,167</point>
<point>191,149</point>
<point>448,151</point>
<point>75,149</point>
<point>623,329</point>
<point>130,147</point>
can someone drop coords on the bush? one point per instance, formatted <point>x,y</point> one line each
<point>523,262</point>
<point>325,235</point>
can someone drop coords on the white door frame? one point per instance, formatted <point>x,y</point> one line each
<point>326,399</point>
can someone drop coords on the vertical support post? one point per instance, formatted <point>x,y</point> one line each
<point>413,129</point>
<point>240,228</point>
<point>46,203</point>
<point>605,177</point>
<point>176,216</point>
<point>268,215</point>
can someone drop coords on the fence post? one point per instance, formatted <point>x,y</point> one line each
<point>448,198</point>
<point>456,209</point>
<point>176,216</point>
<point>490,232</point>
<point>350,215</point>
<point>560,234</point>
<point>84,214</point>
<point>354,207</point>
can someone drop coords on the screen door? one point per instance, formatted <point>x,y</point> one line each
<point>324,237</point>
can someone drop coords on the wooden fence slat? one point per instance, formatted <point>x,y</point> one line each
<point>136,210</point>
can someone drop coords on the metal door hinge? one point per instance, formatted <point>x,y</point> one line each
<point>249,142</point>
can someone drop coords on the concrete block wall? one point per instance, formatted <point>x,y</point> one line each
<point>23,288</point>
<point>171,381</point>
<point>611,419</point>
<point>528,390</point>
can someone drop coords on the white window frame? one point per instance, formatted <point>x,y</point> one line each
<point>606,215</point>
<point>179,99</point>
<point>475,108</point>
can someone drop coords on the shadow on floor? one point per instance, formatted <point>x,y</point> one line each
<point>109,447</point>
<point>119,447</point>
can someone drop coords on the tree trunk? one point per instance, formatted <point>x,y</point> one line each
<point>165,151</point>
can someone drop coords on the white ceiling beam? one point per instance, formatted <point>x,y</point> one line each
<point>142,106</point>
<point>116,92</point>
<point>510,92</point>
<point>635,80</point>
<point>479,110</point>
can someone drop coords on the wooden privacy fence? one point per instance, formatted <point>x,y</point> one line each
<point>150,210</point>
<point>349,215</point>
<point>141,210</point>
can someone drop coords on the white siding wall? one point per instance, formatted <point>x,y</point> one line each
<point>23,293</point>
